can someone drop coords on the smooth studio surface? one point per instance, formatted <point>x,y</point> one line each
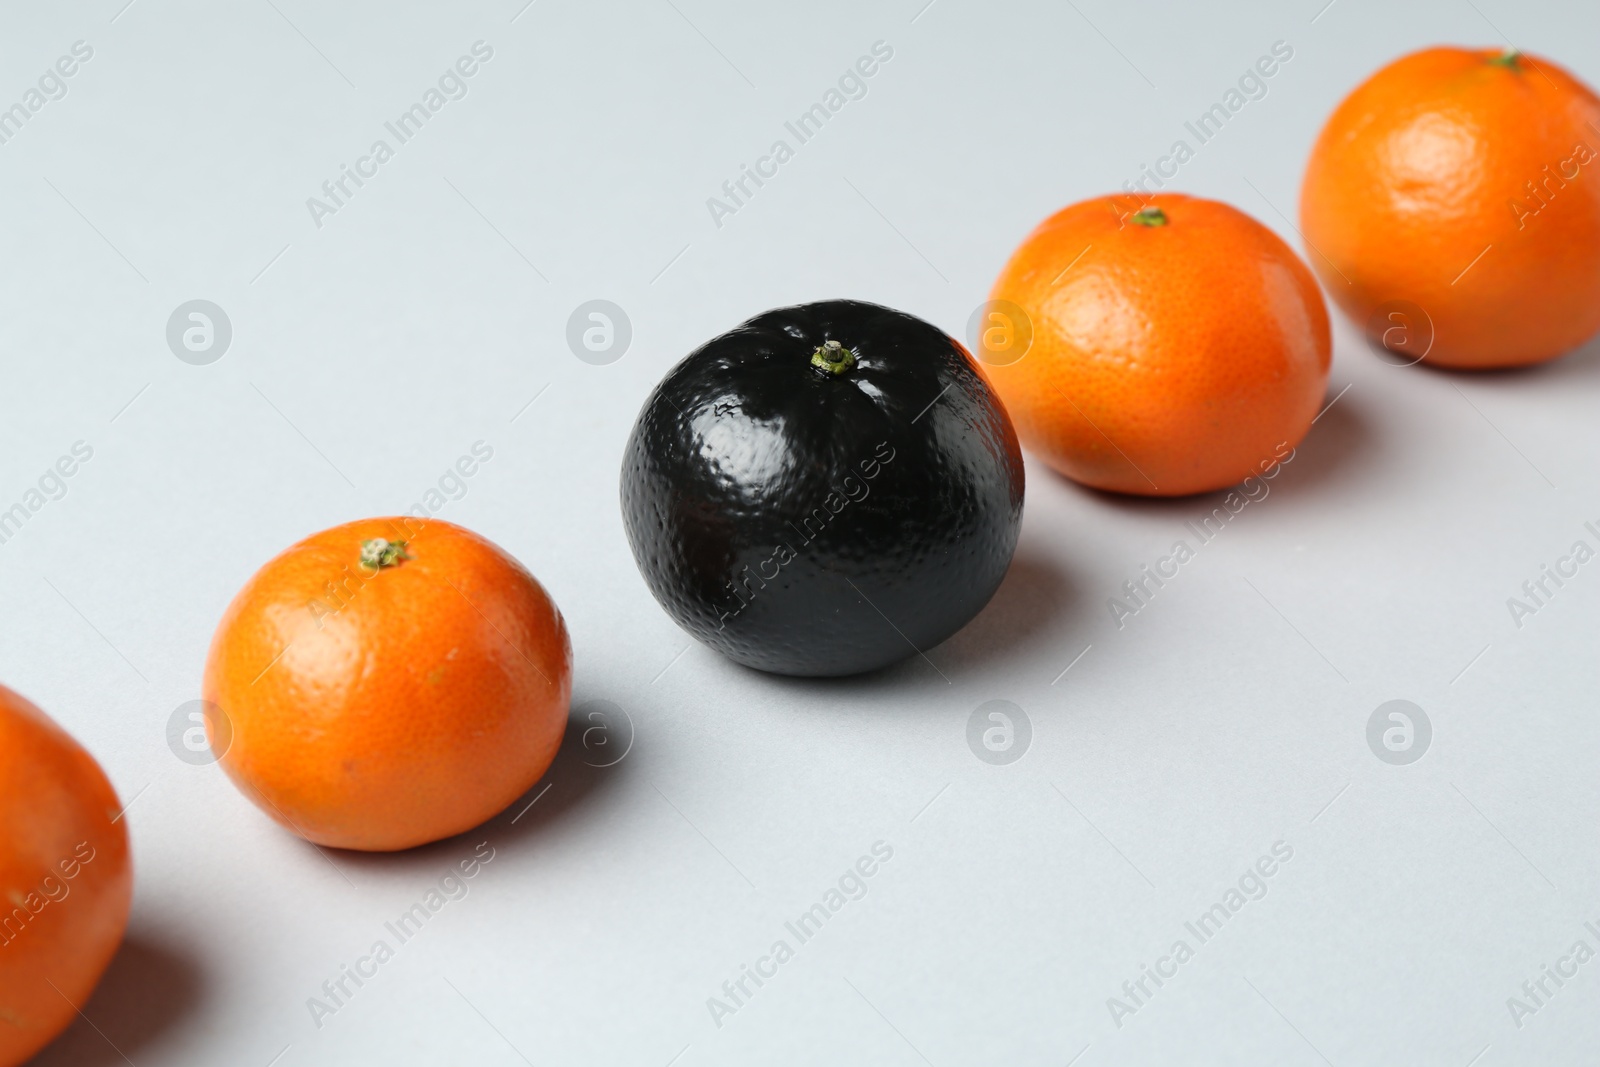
<point>1009,830</point>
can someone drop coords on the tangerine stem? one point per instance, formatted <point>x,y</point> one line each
<point>1150,216</point>
<point>378,553</point>
<point>833,358</point>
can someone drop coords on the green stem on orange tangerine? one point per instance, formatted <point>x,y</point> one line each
<point>378,553</point>
<point>1508,58</point>
<point>833,358</point>
<point>1150,216</point>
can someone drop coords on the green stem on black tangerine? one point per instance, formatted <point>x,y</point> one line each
<point>833,358</point>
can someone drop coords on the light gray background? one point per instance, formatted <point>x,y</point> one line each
<point>370,354</point>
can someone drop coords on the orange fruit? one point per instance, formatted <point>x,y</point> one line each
<point>387,683</point>
<point>1175,350</point>
<point>66,879</point>
<point>1452,206</point>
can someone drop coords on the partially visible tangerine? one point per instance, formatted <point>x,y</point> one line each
<point>66,878</point>
<point>1452,208</point>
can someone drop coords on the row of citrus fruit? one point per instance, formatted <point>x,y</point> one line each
<point>833,487</point>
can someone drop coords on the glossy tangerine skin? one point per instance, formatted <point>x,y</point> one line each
<point>408,704</point>
<point>1427,164</point>
<point>66,878</point>
<point>808,524</point>
<point>1167,360</point>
